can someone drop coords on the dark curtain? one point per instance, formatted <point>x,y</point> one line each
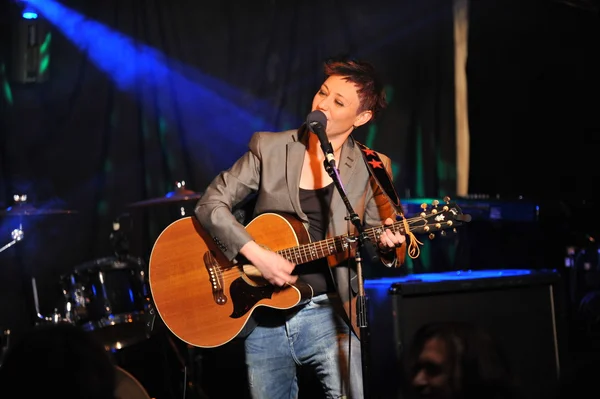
<point>106,131</point>
<point>533,80</point>
<point>533,98</point>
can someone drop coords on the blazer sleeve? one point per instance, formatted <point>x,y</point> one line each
<point>214,209</point>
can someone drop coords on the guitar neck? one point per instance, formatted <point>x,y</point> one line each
<point>331,246</point>
<point>448,216</point>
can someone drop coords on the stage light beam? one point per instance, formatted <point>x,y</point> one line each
<point>203,107</point>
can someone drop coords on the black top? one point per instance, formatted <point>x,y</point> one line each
<point>315,204</point>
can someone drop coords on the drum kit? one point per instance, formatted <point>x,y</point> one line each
<point>109,297</point>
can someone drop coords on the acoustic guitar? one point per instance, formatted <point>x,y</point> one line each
<point>206,300</point>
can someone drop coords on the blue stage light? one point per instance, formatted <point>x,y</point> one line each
<point>29,15</point>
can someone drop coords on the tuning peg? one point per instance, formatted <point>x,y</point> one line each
<point>443,233</point>
<point>454,230</point>
<point>435,203</point>
<point>431,236</point>
<point>424,207</point>
<point>447,199</point>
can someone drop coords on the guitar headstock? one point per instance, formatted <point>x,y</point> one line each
<point>438,217</point>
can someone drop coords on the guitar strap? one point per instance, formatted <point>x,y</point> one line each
<point>384,180</point>
<point>381,176</point>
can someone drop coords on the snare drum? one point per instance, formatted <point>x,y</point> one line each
<point>109,297</point>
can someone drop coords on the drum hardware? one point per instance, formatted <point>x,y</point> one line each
<point>16,235</point>
<point>162,366</point>
<point>22,208</point>
<point>180,194</point>
<point>5,341</point>
<point>56,316</point>
<point>187,367</point>
<point>118,238</point>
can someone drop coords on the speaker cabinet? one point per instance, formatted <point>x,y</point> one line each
<point>523,309</point>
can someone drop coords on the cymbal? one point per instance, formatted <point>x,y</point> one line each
<point>169,198</point>
<point>30,210</point>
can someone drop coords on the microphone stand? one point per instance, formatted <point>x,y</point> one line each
<point>361,308</point>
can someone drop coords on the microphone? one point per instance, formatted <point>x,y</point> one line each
<point>317,123</point>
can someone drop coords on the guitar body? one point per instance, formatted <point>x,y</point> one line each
<point>205,299</point>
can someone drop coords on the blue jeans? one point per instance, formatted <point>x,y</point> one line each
<point>313,335</point>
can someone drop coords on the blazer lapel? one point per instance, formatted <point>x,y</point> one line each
<point>346,169</point>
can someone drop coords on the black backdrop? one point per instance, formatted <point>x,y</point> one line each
<point>81,142</point>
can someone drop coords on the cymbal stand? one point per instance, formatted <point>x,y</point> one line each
<point>56,317</point>
<point>5,344</point>
<point>187,368</point>
<point>17,235</point>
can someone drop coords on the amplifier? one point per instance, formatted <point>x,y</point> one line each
<point>524,309</point>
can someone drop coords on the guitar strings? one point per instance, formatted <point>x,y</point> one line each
<point>329,246</point>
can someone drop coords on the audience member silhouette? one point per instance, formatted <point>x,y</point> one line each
<point>455,360</point>
<point>59,360</point>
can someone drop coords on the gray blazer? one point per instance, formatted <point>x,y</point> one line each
<point>271,169</point>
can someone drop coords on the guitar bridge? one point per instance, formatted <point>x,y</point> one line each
<point>215,275</point>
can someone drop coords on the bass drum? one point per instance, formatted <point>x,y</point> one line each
<point>127,387</point>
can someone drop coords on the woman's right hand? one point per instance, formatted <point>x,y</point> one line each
<point>273,267</point>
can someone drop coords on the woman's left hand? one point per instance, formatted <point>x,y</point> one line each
<point>389,239</point>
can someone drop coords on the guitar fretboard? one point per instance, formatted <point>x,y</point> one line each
<point>321,249</point>
<point>437,219</point>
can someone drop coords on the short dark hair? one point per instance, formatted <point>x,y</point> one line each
<point>371,92</point>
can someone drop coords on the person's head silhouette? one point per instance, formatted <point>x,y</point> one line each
<point>450,360</point>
